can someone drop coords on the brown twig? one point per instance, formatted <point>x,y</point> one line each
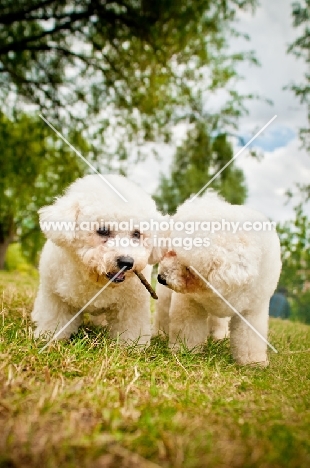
<point>146,284</point>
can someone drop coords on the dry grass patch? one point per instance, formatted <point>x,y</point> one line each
<point>90,403</point>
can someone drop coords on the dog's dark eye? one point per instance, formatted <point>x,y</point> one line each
<point>136,234</point>
<point>104,232</point>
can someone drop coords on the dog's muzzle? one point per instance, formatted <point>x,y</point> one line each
<point>124,263</point>
<point>162,280</point>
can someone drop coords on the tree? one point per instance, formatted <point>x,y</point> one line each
<point>301,49</point>
<point>126,68</point>
<point>195,162</point>
<point>35,167</point>
<point>295,275</point>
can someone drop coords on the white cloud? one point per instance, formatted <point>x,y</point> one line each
<point>147,173</point>
<point>271,32</point>
<point>269,179</point>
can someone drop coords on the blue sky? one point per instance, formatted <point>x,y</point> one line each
<point>270,139</point>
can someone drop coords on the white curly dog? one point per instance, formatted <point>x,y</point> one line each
<point>77,262</point>
<point>243,266</point>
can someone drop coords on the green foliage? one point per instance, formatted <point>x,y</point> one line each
<point>36,166</point>
<point>295,275</point>
<point>195,162</point>
<point>15,261</point>
<point>127,70</point>
<point>301,49</point>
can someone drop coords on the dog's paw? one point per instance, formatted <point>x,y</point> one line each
<point>255,361</point>
<point>194,349</point>
<point>41,333</point>
<point>175,347</point>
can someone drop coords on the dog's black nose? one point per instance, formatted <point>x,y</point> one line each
<point>125,261</point>
<point>161,280</point>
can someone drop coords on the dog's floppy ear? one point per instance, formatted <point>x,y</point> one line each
<point>157,254</point>
<point>161,242</point>
<point>58,221</point>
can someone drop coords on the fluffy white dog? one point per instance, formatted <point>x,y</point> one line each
<point>243,267</point>
<point>77,262</point>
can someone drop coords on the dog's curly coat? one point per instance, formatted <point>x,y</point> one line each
<point>243,267</point>
<point>75,264</point>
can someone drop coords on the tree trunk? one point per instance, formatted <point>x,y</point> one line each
<point>3,249</point>
<point>6,237</point>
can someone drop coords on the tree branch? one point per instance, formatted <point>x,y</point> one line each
<point>10,18</point>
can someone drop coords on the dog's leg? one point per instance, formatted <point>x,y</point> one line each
<point>132,323</point>
<point>51,314</point>
<point>246,346</point>
<point>162,307</point>
<point>188,323</point>
<point>218,327</point>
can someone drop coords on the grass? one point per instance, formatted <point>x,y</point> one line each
<point>90,403</point>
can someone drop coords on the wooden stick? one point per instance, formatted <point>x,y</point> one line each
<point>146,284</point>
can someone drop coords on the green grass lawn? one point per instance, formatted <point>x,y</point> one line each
<point>90,403</point>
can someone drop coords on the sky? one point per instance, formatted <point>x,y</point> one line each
<point>284,162</point>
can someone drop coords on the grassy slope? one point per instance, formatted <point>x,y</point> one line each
<point>89,403</point>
